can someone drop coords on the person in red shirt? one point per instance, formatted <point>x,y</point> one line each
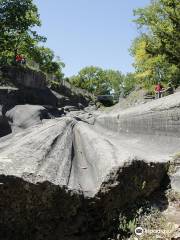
<point>159,90</point>
<point>19,58</point>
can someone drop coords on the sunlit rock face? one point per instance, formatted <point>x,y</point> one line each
<point>68,177</point>
<point>159,117</point>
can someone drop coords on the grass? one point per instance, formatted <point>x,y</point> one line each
<point>149,216</point>
<point>154,225</point>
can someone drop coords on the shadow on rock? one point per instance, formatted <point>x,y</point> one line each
<point>37,211</point>
<point>50,212</point>
<point>5,128</point>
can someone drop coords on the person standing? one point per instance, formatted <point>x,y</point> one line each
<point>158,90</point>
<point>18,58</point>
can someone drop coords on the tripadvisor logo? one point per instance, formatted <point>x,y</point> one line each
<point>139,231</point>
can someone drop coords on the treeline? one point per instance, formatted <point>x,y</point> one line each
<point>18,19</point>
<point>156,50</point>
<point>156,53</point>
<point>103,82</point>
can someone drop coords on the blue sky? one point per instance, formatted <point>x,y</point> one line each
<point>90,32</point>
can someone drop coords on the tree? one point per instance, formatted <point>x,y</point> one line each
<point>162,20</point>
<point>92,79</point>
<point>47,63</point>
<point>157,50</point>
<point>98,81</point>
<point>17,18</point>
<point>129,83</point>
<point>150,68</point>
<point>115,78</point>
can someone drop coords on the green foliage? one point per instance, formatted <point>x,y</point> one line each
<point>92,79</point>
<point>115,78</point>
<point>157,50</point>
<point>147,215</point>
<point>129,83</point>
<point>45,58</point>
<point>98,81</point>
<point>127,225</point>
<point>17,19</point>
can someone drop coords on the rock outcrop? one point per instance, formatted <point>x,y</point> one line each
<point>24,77</point>
<point>68,178</point>
<point>4,125</point>
<point>25,116</point>
<point>33,87</point>
<point>160,117</point>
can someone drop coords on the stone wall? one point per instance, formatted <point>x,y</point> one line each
<point>75,90</point>
<point>33,88</point>
<point>24,77</point>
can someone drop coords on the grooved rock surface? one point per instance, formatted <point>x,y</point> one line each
<point>159,117</point>
<point>67,178</point>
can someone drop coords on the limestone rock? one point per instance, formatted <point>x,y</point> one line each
<point>21,76</point>
<point>159,117</point>
<point>24,116</point>
<point>66,179</point>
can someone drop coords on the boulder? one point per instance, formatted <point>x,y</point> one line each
<point>106,100</point>
<point>24,116</point>
<point>66,179</point>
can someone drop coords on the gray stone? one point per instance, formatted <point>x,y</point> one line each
<point>24,116</point>
<point>66,179</point>
<point>160,117</point>
<point>175,181</point>
<point>5,128</point>
<point>69,177</point>
<point>24,77</point>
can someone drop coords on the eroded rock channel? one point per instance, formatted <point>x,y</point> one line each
<point>68,177</point>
